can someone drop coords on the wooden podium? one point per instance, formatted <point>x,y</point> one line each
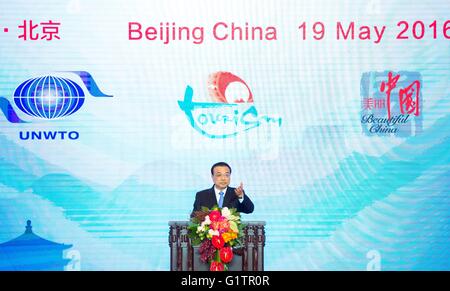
<point>185,257</point>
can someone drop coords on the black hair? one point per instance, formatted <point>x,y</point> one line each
<point>220,164</point>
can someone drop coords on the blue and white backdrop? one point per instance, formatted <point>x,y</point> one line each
<point>343,145</point>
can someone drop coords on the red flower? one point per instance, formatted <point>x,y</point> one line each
<point>215,225</point>
<point>216,266</point>
<point>217,241</point>
<point>214,215</point>
<point>224,226</point>
<point>221,224</point>
<point>226,254</point>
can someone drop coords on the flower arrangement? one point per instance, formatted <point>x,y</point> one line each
<point>217,231</point>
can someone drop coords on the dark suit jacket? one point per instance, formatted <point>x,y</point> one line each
<point>207,198</point>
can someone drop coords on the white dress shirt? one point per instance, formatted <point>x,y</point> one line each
<point>217,191</point>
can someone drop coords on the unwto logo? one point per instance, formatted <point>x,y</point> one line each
<point>49,97</point>
<point>227,116</point>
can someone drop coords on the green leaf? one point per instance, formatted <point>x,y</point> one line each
<point>234,226</point>
<point>217,256</point>
<point>196,241</point>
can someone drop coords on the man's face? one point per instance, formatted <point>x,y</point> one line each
<point>221,177</point>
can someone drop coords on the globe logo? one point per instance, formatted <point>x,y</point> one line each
<point>49,97</point>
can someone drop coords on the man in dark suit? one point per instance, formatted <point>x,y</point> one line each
<point>221,194</point>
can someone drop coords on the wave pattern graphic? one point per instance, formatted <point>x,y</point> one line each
<point>8,111</point>
<point>90,84</point>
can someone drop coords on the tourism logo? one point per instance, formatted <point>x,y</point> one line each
<point>227,116</point>
<point>49,97</point>
<point>391,103</point>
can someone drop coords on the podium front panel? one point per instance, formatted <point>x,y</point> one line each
<point>185,257</point>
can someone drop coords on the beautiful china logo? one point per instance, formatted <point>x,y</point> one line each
<point>217,231</point>
<point>391,103</point>
<point>226,116</point>
<point>49,97</point>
